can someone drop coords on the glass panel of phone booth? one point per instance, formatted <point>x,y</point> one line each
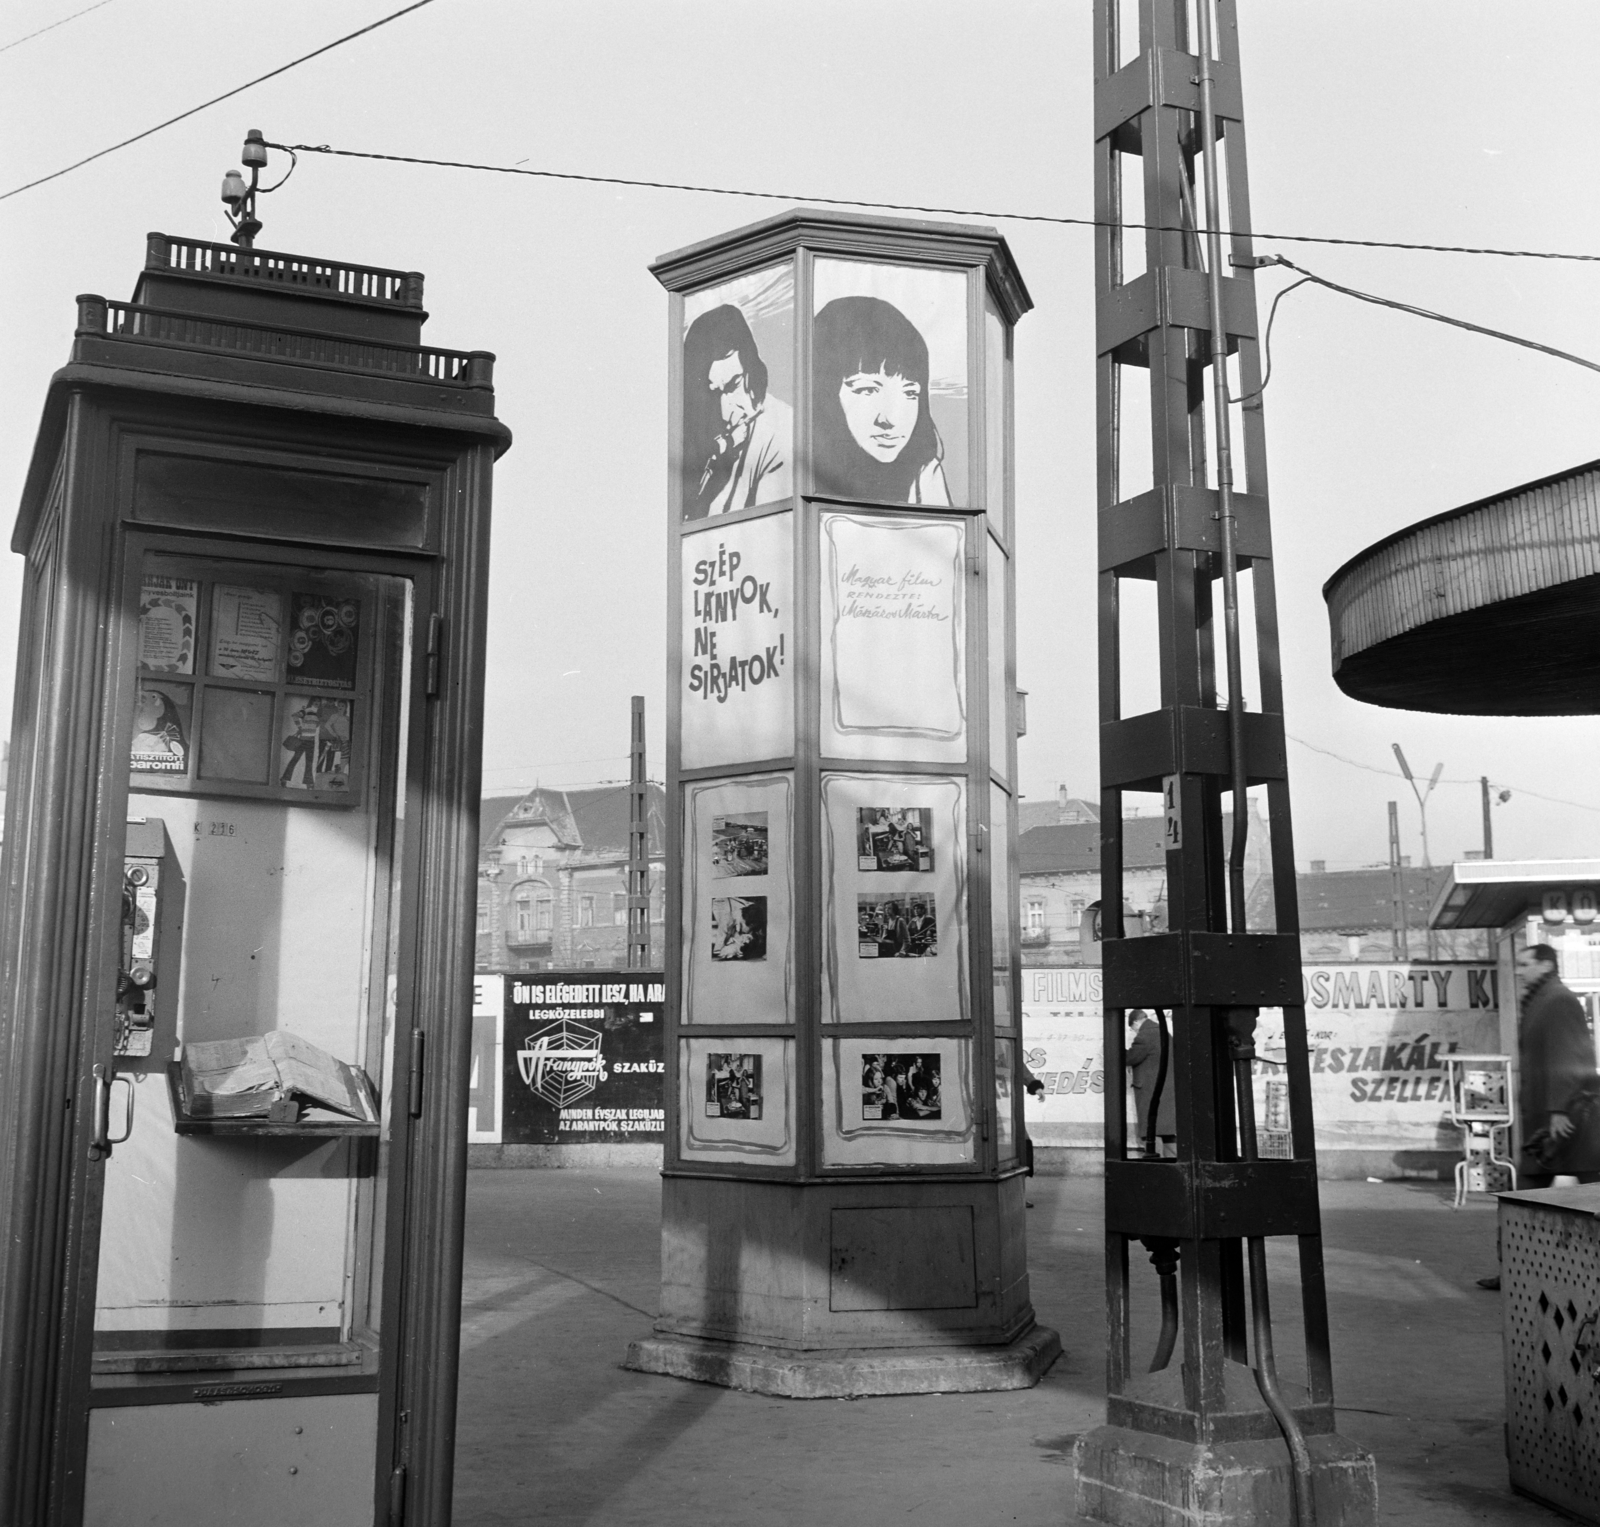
<point>243,1229</point>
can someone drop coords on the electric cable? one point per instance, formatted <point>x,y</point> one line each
<point>18,42</point>
<point>338,42</point>
<point>1308,277</point>
<point>1354,763</point>
<point>892,206</point>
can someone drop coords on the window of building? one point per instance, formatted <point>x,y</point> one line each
<point>522,864</point>
<point>1077,912</point>
<point>483,917</point>
<point>586,911</point>
<point>545,914</point>
<point>619,908</point>
<point>524,917</point>
<point>1035,916</point>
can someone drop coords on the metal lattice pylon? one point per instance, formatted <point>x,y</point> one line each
<point>1204,1213</point>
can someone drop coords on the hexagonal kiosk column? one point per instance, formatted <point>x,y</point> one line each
<point>843,1192</point>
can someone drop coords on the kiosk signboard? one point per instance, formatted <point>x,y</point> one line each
<point>582,1058</point>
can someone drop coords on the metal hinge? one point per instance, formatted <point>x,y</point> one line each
<point>435,646</point>
<point>397,1497</point>
<point>414,1091</point>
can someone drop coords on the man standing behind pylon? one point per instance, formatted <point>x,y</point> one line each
<point>1558,1091</point>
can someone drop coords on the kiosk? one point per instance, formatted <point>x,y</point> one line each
<point>843,1193</point>
<point>238,902</point>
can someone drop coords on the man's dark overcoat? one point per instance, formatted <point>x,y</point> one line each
<point>1557,1069</point>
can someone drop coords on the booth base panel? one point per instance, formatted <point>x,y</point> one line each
<point>308,1460</point>
<point>1137,1479</point>
<point>843,1375</point>
<point>844,1266</point>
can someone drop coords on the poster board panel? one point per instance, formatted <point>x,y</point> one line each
<point>736,1100</point>
<point>738,897</point>
<point>890,382</point>
<point>893,617</point>
<point>737,445</point>
<point>737,642</point>
<point>901,1101</point>
<point>895,898</point>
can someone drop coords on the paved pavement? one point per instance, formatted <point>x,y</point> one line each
<point>562,1270</point>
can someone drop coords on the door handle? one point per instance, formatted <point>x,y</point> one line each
<point>101,1140</point>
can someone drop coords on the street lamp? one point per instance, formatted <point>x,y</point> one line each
<point>1422,795</point>
<point>239,198</point>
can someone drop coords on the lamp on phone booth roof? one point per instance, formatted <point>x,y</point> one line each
<point>233,189</point>
<point>254,153</point>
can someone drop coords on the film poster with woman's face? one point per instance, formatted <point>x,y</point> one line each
<point>889,383</point>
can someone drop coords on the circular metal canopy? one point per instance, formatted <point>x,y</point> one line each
<point>1492,609</point>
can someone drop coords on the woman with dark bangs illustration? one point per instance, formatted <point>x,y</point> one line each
<point>875,438</point>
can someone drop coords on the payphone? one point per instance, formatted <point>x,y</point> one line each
<point>236,943</point>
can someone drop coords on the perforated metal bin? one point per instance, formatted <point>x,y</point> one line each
<point>1550,1273</point>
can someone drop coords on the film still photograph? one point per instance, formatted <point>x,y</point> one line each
<point>739,845</point>
<point>738,927</point>
<point>896,927</point>
<point>900,1085</point>
<point>733,1086</point>
<point>895,838</point>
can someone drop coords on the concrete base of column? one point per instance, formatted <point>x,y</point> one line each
<point>1139,1479</point>
<point>840,1374</point>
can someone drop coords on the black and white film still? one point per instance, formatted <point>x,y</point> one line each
<point>738,927</point>
<point>900,1084</point>
<point>897,838</point>
<point>898,927</point>
<point>733,1085</point>
<point>739,845</point>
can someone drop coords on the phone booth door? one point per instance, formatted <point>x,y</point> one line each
<point>236,912</point>
<point>244,1082</point>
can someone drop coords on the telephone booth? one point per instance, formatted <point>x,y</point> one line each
<point>842,1201</point>
<point>237,929</point>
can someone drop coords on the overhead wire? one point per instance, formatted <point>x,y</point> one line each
<point>891,206</point>
<point>638,183</point>
<point>1308,278</point>
<point>17,42</point>
<point>328,47</point>
<point>1355,763</point>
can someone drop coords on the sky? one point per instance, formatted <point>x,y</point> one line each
<point>1436,121</point>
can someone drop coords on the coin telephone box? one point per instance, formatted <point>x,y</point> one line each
<point>236,937</point>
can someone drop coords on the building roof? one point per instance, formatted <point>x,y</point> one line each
<point>1486,610</point>
<point>1075,848</point>
<point>1353,901</point>
<point>1055,810</point>
<point>1494,893</point>
<point>594,821</point>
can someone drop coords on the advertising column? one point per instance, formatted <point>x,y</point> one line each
<point>842,1201</point>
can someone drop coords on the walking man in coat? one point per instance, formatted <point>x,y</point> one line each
<point>1143,1058</point>
<point>1558,1091</point>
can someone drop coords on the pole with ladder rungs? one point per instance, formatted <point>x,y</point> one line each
<point>1214,1427</point>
